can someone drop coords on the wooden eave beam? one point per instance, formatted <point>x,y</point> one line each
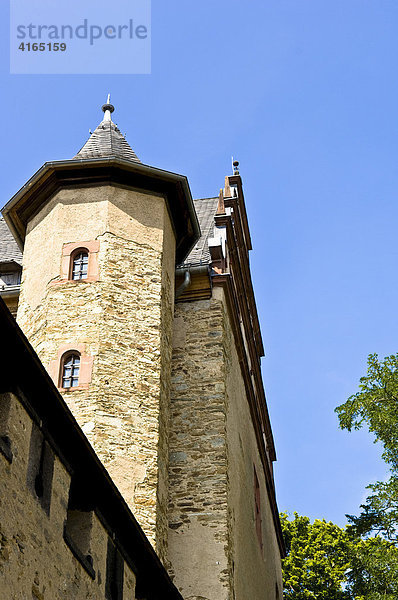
<point>226,282</point>
<point>244,261</point>
<point>237,180</point>
<point>241,293</point>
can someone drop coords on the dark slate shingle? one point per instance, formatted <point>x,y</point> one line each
<point>9,250</point>
<point>107,141</point>
<point>206,209</point>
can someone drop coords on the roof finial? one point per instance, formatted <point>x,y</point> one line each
<point>236,167</point>
<point>108,108</point>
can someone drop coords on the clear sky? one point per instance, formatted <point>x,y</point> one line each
<point>304,93</point>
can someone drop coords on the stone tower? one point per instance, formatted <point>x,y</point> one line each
<point>140,304</point>
<point>101,234</point>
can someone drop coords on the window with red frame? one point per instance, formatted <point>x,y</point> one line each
<point>70,369</point>
<point>79,265</point>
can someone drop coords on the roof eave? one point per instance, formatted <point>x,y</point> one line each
<point>56,174</point>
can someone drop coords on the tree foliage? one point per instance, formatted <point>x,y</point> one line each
<point>379,514</point>
<point>327,562</point>
<point>373,571</point>
<point>376,405</point>
<point>359,562</point>
<point>317,561</point>
<point>374,568</point>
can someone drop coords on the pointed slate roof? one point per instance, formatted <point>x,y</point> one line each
<point>107,140</point>
<point>106,159</point>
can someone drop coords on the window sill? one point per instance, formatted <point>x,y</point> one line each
<point>83,386</point>
<point>89,279</point>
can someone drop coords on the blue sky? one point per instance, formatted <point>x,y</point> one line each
<point>304,94</point>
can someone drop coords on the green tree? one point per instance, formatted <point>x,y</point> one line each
<point>359,562</point>
<point>376,405</point>
<point>327,562</point>
<point>319,556</point>
<point>374,567</point>
<point>373,570</point>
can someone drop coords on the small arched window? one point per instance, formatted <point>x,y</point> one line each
<point>70,369</point>
<point>79,264</point>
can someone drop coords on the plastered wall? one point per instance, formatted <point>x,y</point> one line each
<point>256,566</point>
<point>213,544</point>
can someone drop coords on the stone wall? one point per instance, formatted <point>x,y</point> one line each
<point>35,560</point>
<point>213,544</point>
<point>198,538</point>
<point>123,321</point>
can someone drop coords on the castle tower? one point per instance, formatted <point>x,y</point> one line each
<point>101,234</point>
<point>148,325</point>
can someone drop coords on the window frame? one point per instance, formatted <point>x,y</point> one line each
<point>55,366</point>
<point>83,251</point>
<point>70,354</point>
<point>69,250</point>
<point>14,276</point>
<point>12,271</point>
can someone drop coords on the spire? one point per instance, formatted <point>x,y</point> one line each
<point>108,108</point>
<point>107,140</point>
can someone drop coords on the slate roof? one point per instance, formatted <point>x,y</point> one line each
<point>9,250</point>
<point>106,141</point>
<point>206,209</point>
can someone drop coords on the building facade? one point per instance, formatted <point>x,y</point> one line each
<point>65,531</point>
<point>139,303</point>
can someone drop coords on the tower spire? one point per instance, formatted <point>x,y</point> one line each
<point>108,108</point>
<point>107,139</point>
